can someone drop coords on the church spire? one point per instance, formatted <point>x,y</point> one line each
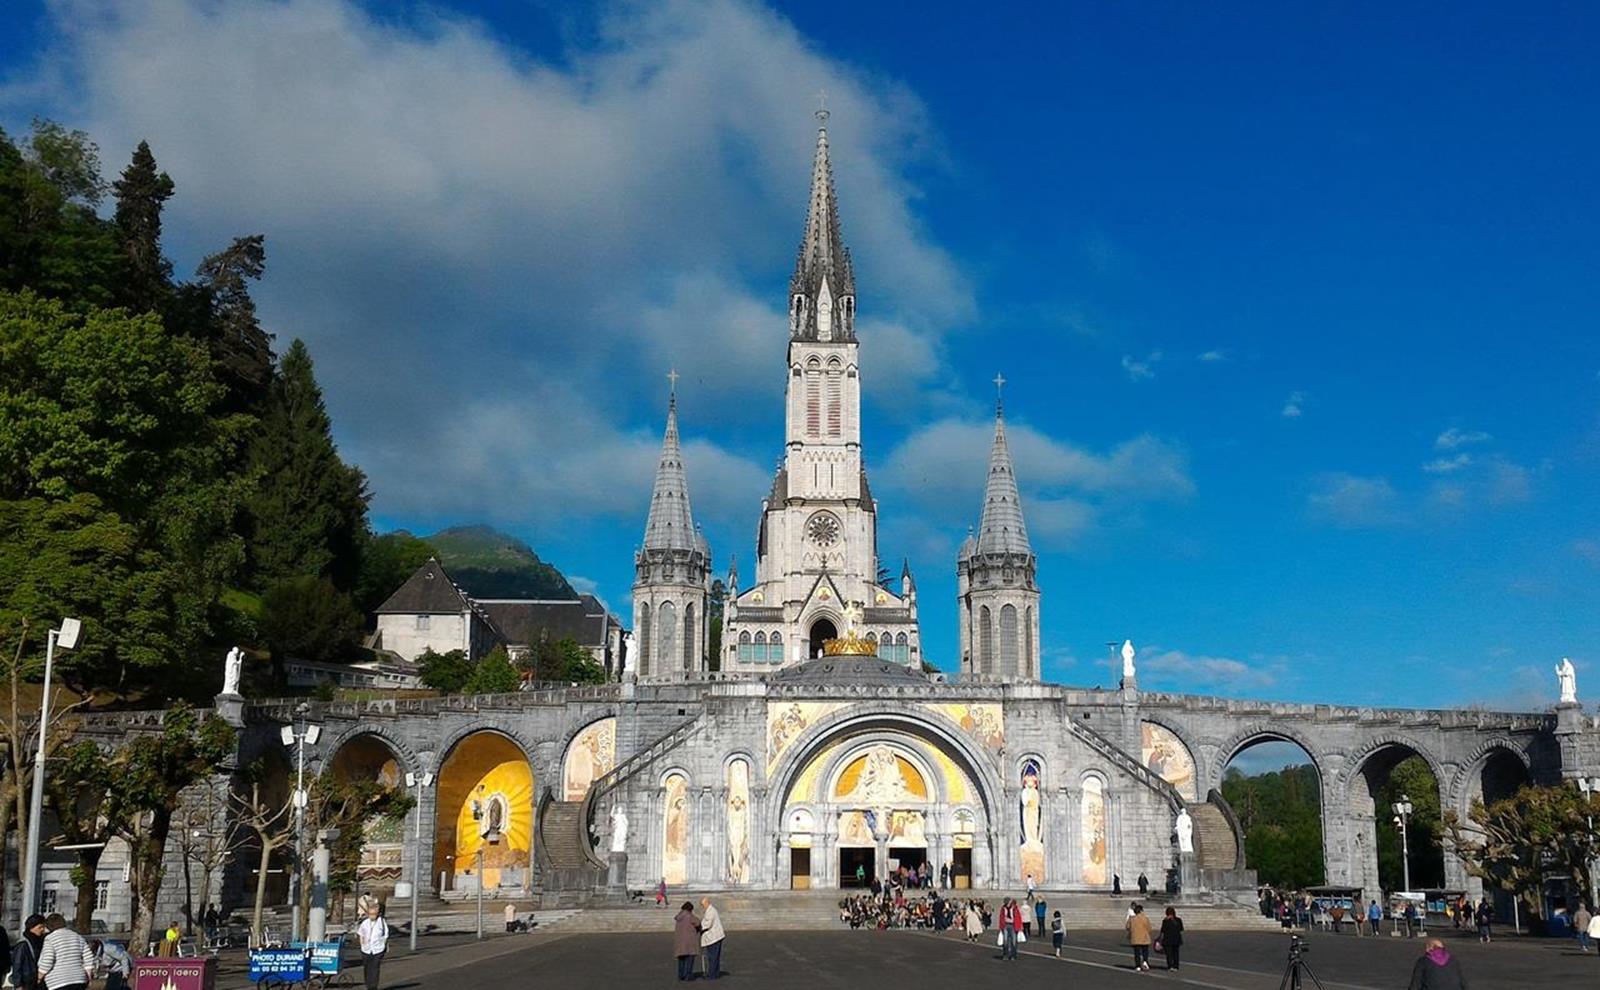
<point>823,288</point>
<point>671,524</point>
<point>1001,529</point>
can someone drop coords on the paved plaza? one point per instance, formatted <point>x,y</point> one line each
<point>891,960</point>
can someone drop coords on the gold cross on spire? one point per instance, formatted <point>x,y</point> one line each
<point>672,378</point>
<point>999,390</point>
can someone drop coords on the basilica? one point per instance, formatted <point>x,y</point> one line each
<point>817,562</point>
<point>820,747</point>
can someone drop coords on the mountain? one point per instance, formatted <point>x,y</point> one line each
<point>487,563</point>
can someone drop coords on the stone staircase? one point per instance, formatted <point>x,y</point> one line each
<point>563,827</point>
<point>1214,842</point>
<point>818,910</point>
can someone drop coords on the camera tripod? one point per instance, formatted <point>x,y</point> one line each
<point>1293,972</point>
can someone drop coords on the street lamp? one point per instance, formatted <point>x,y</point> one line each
<point>1590,786</point>
<point>1402,817</point>
<point>299,735</point>
<point>66,637</point>
<point>421,784</point>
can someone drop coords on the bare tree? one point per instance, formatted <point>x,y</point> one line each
<point>272,827</point>
<point>206,839</point>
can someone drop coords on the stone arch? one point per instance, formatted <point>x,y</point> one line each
<point>1471,778</point>
<point>601,754</point>
<point>1147,755</point>
<point>1259,732</point>
<point>1359,782</point>
<point>1094,827</point>
<point>373,756</point>
<point>408,758</point>
<point>485,790</point>
<point>676,824</point>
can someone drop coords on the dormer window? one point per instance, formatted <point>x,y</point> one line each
<point>824,313</point>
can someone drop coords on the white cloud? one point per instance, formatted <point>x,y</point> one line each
<point>452,224</point>
<point>1447,465</point>
<point>1454,438</point>
<point>1587,549</point>
<point>1142,369</point>
<point>941,468</point>
<point>1215,357</point>
<point>1181,670</point>
<point>1352,501</point>
<point>1293,406</point>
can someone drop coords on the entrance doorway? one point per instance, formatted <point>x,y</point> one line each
<point>961,869</point>
<point>909,857</point>
<point>852,859</point>
<point>799,869</point>
<point>821,630</point>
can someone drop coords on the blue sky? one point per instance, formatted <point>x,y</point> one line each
<point>1297,303</point>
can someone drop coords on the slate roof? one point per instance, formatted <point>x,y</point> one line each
<point>822,251</point>
<point>523,622</point>
<point>1001,529</point>
<point>671,523</point>
<point>850,670</point>
<point>428,591</point>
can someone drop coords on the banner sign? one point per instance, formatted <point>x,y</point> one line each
<point>174,974</point>
<point>276,966</point>
<point>324,955</point>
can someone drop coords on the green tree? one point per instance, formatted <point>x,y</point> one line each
<point>1280,813</point>
<point>307,618</point>
<point>352,807</point>
<point>309,511</point>
<point>152,772</point>
<point>446,672</point>
<point>111,457</point>
<point>716,602</point>
<point>1516,842</point>
<point>78,788</point>
<point>562,661</point>
<point>51,240</point>
<point>240,348</point>
<point>1411,778</point>
<point>141,195</point>
<point>493,675</point>
<point>386,561</point>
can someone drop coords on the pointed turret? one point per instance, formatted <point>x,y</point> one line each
<point>672,570</point>
<point>1001,529</point>
<point>822,291</point>
<point>671,523</point>
<point>995,577</point>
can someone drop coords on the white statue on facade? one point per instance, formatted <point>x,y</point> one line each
<point>1567,677</point>
<point>1184,827</point>
<point>630,660</point>
<point>619,830</point>
<point>1127,659</point>
<point>232,668</point>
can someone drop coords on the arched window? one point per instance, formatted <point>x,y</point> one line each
<point>667,647</point>
<point>1027,645</point>
<point>775,648</point>
<point>642,661</point>
<point>1008,641</point>
<point>691,642</point>
<point>746,653</point>
<point>985,641</point>
<point>813,399</point>
<point>835,402</point>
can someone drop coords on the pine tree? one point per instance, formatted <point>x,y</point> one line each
<point>141,193</point>
<point>241,349</point>
<point>308,516</point>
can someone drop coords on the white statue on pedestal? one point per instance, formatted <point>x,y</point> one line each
<point>1127,660</point>
<point>1184,827</point>
<point>232,667</point>
<point>619,830</point>
<point>1567,677</point>
<point>630,660</point>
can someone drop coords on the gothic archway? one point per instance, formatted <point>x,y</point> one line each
<point>821,631</point>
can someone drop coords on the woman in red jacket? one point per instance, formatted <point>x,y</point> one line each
<point>1010,926</point>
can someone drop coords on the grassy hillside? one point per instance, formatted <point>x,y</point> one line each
<point>490,564</point>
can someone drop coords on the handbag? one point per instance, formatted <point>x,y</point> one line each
<point>1022,936</point>
<point>1156,945</point>
<point>1000,939</point>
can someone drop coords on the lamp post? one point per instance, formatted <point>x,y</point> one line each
<point>1590,786</point>
<point>1402,817</point>
<point>299,735</point>
<point>421,784</point>
<point>66,637</point>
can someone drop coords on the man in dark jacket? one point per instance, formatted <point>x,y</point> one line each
<point>1437,969</point>
<point>25,954</point>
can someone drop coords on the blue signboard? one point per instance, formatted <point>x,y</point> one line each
<point>324,956</point>
<point>278,965</point>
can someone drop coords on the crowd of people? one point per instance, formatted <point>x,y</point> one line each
<point>1301,910</point>
<point>51,955</point>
